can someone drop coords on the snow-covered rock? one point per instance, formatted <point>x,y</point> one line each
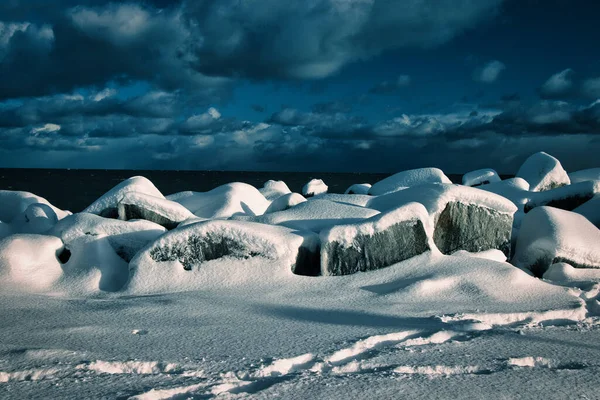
<point>224,201</point>
<point>285,202</point>
<point>135,205</point>
<point>592,174</point>
<point>517,191</point>
<point>591,210</point>
<point>126,237</point>
<point>464,218</point>
<point>564,274</point>
<point>314,187</point>
<point>358,188</point>
<point>189,248</point>
<point>566,197</point>
<point>543,172</point>
<point>316,215</point>
<point>480,177</point>
<point>107,204</point>
<point>377,242</point>
<point>15,203</point>
<point>38,218</point>
<point>352,199</point>
<point>274,189</point>
<point>549,235</point>
<point>30,262</point>
<point>5,230</point>
<point>406,179</point>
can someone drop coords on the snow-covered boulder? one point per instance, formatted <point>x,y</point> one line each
<point>464,218</point>
<point>316,215</point>
<point>15,203</point>
<point>190,248</point>
<point>591,210</point>
<point>406,179</point>
<point>107,205</point>
<point>224,201</point>
<point>353,199</point>
<point>274,189</point>
<point>314,187</point>
<point>285,202</point>
<point>543,172</point>
<point>480,177</point>
<point>30,262</point>
<point>377,242</point>
<point>592,174</point>
<point>135,205</point>
<point>565,275</point>
<point>126,237</point>
<point>549,235</point>
<point>566,197</point>
<point>358,188</point>
<point>38,218</point>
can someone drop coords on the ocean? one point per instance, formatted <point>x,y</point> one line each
<point>75,189</point>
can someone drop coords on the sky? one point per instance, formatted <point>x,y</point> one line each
<point>311,85</point>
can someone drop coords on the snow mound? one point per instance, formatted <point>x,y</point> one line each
<point>592,174</point>
<point>314,187</point>
<point>543,172</point>
<point>38,218</point>
<point>352,199</point>
<point>274,189</point>
<point>285,202</point>
<point>15,203</point>
<point>464,218</point>
<point>377,242</point>
<point>591,210</point>
<point>126,237</point>
<point>30,262</point>
<point>567,275</point>
<point>167,213</point>
<point>480,177</point>
<point>224,201</point>
<point>315,215</point>
<point>167,262</point>
<point>107,204</point>
<point>493,254</point>
<point>550,235</point>
<point>358,188</point>
<point>566,197</point>
<point>406,179</point>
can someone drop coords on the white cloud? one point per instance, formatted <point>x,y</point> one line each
<point>490,72</point>
<point>403,80</point>
<point>559,84</point>
<point>46,128</point>
<point>591,88</point>
<point>108,92</point>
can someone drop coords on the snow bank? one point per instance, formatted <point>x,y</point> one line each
<point>566,275</point>
<point>315,215</point>
<point>167,262</point>
<point>15,203</point>
<point>285,202</point>
<point>38,218</point>
<point>274,189</point>
<point>314,187</point>
<point>550,235</point>
<point>107,204</point>
<point>30,262</point>
<point>591,210</point>
<point>159,210</point>
<point>566,197</point>
<point>480,177</point>
<point>352,199</point>
<point>377,242</point>
<point>358,188</point>
<point>543,172</point>
<point>464,218</point>
<point>406,179</point>
<point>592,174</point>
<point>224,201</point>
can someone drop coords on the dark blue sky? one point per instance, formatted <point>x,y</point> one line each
<point>321,85</point>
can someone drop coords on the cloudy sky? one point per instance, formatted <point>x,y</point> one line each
<point>311,85</point>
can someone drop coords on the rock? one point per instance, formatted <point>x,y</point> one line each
<point>358,188</point>
<point>15,203</point>
<point>167,213</point>
<point>543,172</point>
<point>566,197</point>
<point>314,187</point>
<point>480,177</point>
<point>285,202</point>
<point>38,218</point>
<point>272,190</point>
<point>592,174</point>
<point>406,179</point>
<point>376,242</point>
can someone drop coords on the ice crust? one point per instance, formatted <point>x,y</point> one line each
<point>107,205</point>
<point>135,205</point>
<point>314,187</point>
<point>480,177</point>
<point>543,172</point>
<point>406,179</point>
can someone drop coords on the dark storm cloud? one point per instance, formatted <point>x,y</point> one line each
<point>387,87</point>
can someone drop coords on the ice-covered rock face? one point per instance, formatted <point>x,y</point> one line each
<point>15,203</point>
<point>358,188</point>
<point>549,235</point>
<point>406,179</point>
<point>566,197</point>
<point>164,212</point>
<point>480,177</point>
<point>377,242</point>
<point>543,172</point>
<point>224,201</point>
<point>272,190</point>
<point>314,187</point>
<point>285,202</point>
<point>107,205</point>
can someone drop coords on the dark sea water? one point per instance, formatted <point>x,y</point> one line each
<point>75,189</point>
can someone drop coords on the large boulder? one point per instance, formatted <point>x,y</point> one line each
<point>480,177</point>
<point>285,202</point>
<point>592,174</point>
<point>464,218</point>
<point>15,203</point>
<point>543,172</point>
<point>272,190</point>
<point>358,188</point>
<point>167,213</point>
<point>314,187</point>
<point>406,179</point>
<point>566,197</point>
<point>549,235</point>
<point>38,218</point>
<point>376,242</point>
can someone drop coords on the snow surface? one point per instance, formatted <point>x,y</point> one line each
<point>480,177</point>
<point>107,204</point>
<point>543,172</point>
<point>274,189</point>
<point>352,199</point>
<point>592,174</point>
<point>358,188</point>
<point>314,187</point>
<point>591,210</point>
<point>410,178</point>
<point>285,202</point>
